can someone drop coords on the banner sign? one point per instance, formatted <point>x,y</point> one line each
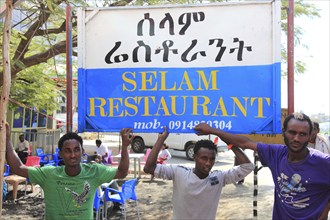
<point>177,66</point>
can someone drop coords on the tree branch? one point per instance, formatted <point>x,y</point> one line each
<point>23,46</point>
<point>55,50</point>
<point>61,29</point>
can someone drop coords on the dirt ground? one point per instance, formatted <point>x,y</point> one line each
<point>236,202</point>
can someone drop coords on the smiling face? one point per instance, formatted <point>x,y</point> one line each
<point>71,153</point>
<point>296,136</point>
<point>204,161</point>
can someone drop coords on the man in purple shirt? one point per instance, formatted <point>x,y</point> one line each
<point>301,175</point>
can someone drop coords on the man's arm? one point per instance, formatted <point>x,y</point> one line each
<point>228,138</point>
<point>240,155</point>
<point>153,156</point>
<point>123,166</point>
<point>16,165</point>
<point>325,212</point>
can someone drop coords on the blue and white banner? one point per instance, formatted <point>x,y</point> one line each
<point>177,66</point>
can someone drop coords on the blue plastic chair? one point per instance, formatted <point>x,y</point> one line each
<point>45,158</point>
<point>127,193</point>
<point>98,203</point>
<point>7,170</point>
<point>84,158</point>
<point>56,157</point>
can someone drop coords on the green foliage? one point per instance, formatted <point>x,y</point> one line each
<point>33,87</point>
<point>301,8</point>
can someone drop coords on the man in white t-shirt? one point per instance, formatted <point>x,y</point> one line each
<point>22,148</point>
<point>196,191</point>
<point>101,150</point>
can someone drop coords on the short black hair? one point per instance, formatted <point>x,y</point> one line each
<point>98,141</point>
<point>205,143</point>
<point>316,125</point>
<point>300,117</point>
<point>69,136</point>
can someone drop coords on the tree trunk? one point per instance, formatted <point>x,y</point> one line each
<point>5,90</point>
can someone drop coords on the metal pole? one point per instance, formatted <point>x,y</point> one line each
<point>255,184</point>
<point>290,48</point>
<point>255,190</point>
<point>68,69</point>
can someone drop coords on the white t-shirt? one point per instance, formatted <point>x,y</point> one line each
<point>102,150</point>
<point>195,198</point>
<point>22,145</point>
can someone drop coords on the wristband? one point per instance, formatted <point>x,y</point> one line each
<point>230,146</point>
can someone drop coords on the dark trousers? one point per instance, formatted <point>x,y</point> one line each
<point>22,155</point>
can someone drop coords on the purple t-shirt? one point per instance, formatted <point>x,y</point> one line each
<point>302,189</point>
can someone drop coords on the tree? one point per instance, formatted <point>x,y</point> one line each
<point>39,45</point>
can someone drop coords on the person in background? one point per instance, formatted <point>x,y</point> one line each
<point>317,141</point>
<point>102,150</point>
<point>69,190</point>
<point>301,174</point>
<point>22,148</point>
<point>164,154</point>
<point>196,191</point>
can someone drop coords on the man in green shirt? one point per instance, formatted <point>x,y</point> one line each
<point>69,190</point>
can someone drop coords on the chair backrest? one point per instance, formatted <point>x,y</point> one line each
<point>56,157</point>
<point>7,170</point>
<point>128,189</point>
<point>147,154</point>
<point>32,161</point>
<point>98,198</point>
<point>39,152</point>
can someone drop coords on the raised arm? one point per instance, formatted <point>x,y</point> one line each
<point>16,165</point>
<point>126,136</point>
<point>240,155</point>
<point>325,212</point>
<point>152,158</point>
<point>228,138</point>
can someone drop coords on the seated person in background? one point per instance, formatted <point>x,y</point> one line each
<point>101,150</point>
<point>164,154</point>
<point>97,159</point>
<point>22,148</point>
<point>317,141</point>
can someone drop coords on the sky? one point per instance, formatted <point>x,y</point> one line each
<point>312,89</point>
